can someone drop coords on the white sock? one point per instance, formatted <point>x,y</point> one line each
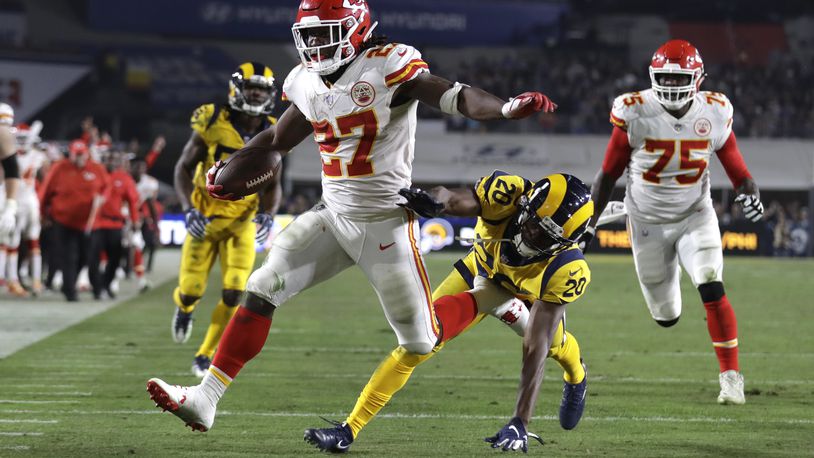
<point>212,387</point>
<point>13,262</point>
<point>2,262</point>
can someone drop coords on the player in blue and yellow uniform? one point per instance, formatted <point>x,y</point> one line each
<point>524,249</point>
<point>216,228</point>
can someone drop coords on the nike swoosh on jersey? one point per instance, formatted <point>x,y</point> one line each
<point>384,247</point>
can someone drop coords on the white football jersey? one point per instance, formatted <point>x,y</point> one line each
<point>147,188</point>
<point>668,173</point>
<point>366,145</point>
<point>29,162</point>
<point>6,115</point>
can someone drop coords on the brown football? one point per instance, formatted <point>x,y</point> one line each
<point>248,171</point>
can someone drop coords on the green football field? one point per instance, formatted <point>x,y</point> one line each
<point>651,390</point>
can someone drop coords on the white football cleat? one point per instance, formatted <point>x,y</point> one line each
<point>185,402</point>
<point>731,388</point>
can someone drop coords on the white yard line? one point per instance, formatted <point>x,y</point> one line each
<point>15,447</point>
<point>3,433</point>
<point>54,393</point>
<point>27,420</point>
<point>30,321</point>
<point>31,401</point>
<point>492,378</point>
<point>396,415</point>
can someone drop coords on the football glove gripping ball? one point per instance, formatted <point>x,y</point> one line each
<point>752,207</point>
<point>513,437</point>
<point>196,223</point>
<point>584,240</point>
<point>264,222</point>
<point>526,104</point>
<point>215,190</point>
<point>421,202</point>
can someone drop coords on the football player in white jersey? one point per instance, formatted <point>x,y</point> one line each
<point>358,96</point>
<point>146,238</point>
<point>665,137</point>
<point>11,172</point>
<point>30,160</point>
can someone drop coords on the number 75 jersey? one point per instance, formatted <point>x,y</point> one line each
<point>668,176</point>
<point>366,144</point>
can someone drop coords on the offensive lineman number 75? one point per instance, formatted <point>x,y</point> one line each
<point>668,149</point>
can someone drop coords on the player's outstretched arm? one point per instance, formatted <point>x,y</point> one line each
<point>471,102</point>
<point>544,317</point>
<point>290,130</point>
<point>440,200</point>
<point>194,152</point>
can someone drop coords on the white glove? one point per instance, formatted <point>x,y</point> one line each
<point>8,218</point>
<point>752,207</point>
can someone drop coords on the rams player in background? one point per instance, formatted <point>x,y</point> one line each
<point>217,228</point>
<point>524,249</point>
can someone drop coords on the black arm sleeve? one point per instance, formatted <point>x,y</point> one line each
<point>10,167</point>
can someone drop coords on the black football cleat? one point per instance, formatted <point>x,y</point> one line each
<point>332,440</point>
<point>573,402</point>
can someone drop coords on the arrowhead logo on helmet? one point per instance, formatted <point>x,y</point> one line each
<point>676,73</point>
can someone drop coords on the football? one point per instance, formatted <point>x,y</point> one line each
<point>248,171</point>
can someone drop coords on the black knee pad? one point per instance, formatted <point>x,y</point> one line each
<point>231,297</point>
<point>188,300</point>
<point>711,292</point>
<point>259,305</point>
<point>668,323</point>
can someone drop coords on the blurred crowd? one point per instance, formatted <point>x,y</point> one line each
<point>785,229</point>
<point>87,215</point>
<point>776,100</point>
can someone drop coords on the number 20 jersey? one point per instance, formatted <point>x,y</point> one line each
<point>668,175</point>
<point>561,278</point>
<point>366,145</point>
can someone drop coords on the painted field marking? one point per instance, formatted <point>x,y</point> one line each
<point>7,420</point>
<point>396,415</point>
<point>3,433</point>
<point>30,401</point>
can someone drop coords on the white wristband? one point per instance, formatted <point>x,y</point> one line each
<point>449,99</point>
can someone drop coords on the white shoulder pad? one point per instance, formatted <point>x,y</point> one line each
<point>718,103</point>
<point>402,63</point>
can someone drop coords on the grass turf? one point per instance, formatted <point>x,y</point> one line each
<point>651,390</point>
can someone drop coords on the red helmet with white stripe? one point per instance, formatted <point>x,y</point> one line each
<point>330,33</point>
<point>676,73</point>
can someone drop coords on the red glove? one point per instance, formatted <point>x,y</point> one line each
<point>526,104</point>
<point>215,190</point>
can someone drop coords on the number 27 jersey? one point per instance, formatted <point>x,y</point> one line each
<point>366,144</point>
<point>668,175</point>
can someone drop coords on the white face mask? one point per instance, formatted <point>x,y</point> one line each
<point>314,56</point>
<point>675,97</point>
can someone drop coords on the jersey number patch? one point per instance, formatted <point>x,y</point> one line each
<point>360,165</point>
<point>667,148</point>
<point>575,287</point>
<point>503,192</point>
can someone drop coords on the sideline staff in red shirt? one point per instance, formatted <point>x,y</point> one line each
<point>71,193</point>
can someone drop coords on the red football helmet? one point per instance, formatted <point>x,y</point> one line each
<point>329,33</point>
<point>676,57</point>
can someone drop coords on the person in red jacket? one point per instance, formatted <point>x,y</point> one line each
<point>110,220</point>
<point>70,196</point>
